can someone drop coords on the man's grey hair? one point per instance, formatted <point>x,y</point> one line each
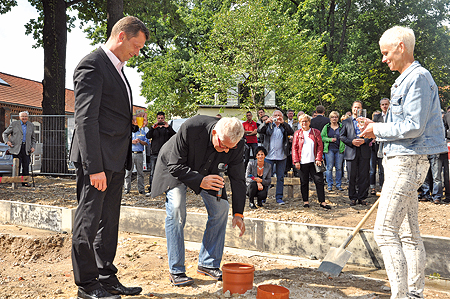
<point>24,112</point>
<point>230,127</point>
<point>397,34</point>
<point>384,99</point>
<point>277,111</point>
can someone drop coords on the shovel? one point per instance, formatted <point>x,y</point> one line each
<point>335,260</point>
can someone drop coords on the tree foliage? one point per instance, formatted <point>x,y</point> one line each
<point>252,44</point>
<point>6,5</point>
<point>309,51</point>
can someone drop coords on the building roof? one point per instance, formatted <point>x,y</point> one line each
<point>28,93</point>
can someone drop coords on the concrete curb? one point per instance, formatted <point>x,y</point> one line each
<point>274,237</point>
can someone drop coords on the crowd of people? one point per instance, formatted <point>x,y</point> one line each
<point>399,143</point>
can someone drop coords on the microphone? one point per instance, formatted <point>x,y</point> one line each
<point>222,168</point>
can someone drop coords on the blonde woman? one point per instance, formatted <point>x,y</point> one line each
<point>333,148</point>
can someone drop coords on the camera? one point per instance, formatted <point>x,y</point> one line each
<point>161,123</point>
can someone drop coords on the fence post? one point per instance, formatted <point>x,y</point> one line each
<point>290,187</point>
<point>15,171</point>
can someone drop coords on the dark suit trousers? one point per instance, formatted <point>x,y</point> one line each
<point>358,175</point>
<point>24,160</point>
<point>95,232</point>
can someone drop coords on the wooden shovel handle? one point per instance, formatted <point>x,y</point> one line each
<point>360,224</point>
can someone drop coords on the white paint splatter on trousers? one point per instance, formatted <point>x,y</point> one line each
<point>397,226</point>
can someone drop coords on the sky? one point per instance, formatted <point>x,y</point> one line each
<point>18,58</point>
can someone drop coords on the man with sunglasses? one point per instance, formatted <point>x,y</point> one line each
<point>191,159</point>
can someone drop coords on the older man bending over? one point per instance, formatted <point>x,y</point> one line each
<point>191,159</point>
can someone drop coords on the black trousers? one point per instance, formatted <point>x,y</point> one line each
<point>358,175</point>
<point>307,170</point>
<point>252,191</point>
<point>95,231</point>
<point>153,160</point>
<point>444,158</point>
<point>24,160</point>
<point>247,157</point>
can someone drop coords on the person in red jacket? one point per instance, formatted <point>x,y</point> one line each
<point>307,151</point>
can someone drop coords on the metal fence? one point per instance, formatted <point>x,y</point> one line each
<point>53,137</point>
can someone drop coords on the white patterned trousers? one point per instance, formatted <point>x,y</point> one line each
<point>397,226</point>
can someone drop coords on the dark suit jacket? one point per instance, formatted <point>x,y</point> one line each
<point>319,122</point>
<point>180,160</point>
<point>159,136</point>
<point>378,118</point>
<point>347,136</point>
<point>446,120</point>
<point>266,130</point>
<point>103,116</point>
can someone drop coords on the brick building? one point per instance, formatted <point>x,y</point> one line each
<point>19,94</point>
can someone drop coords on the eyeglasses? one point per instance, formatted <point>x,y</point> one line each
<point>224,146</point>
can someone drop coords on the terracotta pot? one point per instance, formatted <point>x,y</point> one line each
<point>237,277</point>
<point>271,291</point>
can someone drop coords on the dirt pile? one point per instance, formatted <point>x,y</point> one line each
<point>36,264</point>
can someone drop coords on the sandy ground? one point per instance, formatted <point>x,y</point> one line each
<point>36,264</point>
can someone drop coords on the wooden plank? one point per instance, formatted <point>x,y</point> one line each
<point>291,181</point>
<point>15,179</point>
<point>290,188</point>
<point>15,171</point>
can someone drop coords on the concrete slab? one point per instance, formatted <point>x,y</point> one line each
<point>265,236</point>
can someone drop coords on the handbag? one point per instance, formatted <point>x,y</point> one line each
<point>320,168</point>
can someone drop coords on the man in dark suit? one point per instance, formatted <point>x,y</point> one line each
<point>101,151</point>
<point>377,155</point>
<point>191,159</point>
<point>19,136</point>
<point>357,155</point>
<point>320,120</point>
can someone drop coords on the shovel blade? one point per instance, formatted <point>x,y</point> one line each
<point>334,261</point>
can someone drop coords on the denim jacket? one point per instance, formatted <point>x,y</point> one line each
<point>414,122</point>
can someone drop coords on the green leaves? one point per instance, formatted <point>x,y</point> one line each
<point>6,5</point>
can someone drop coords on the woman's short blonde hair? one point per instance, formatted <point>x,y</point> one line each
<point>334,113</point>
<point>397,34</point>
<point>304,116</point>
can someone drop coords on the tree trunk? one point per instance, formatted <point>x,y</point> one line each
<point>53,102</point>
<point>330,25</point>
<point>114,13</point>
<point>344,28</point>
